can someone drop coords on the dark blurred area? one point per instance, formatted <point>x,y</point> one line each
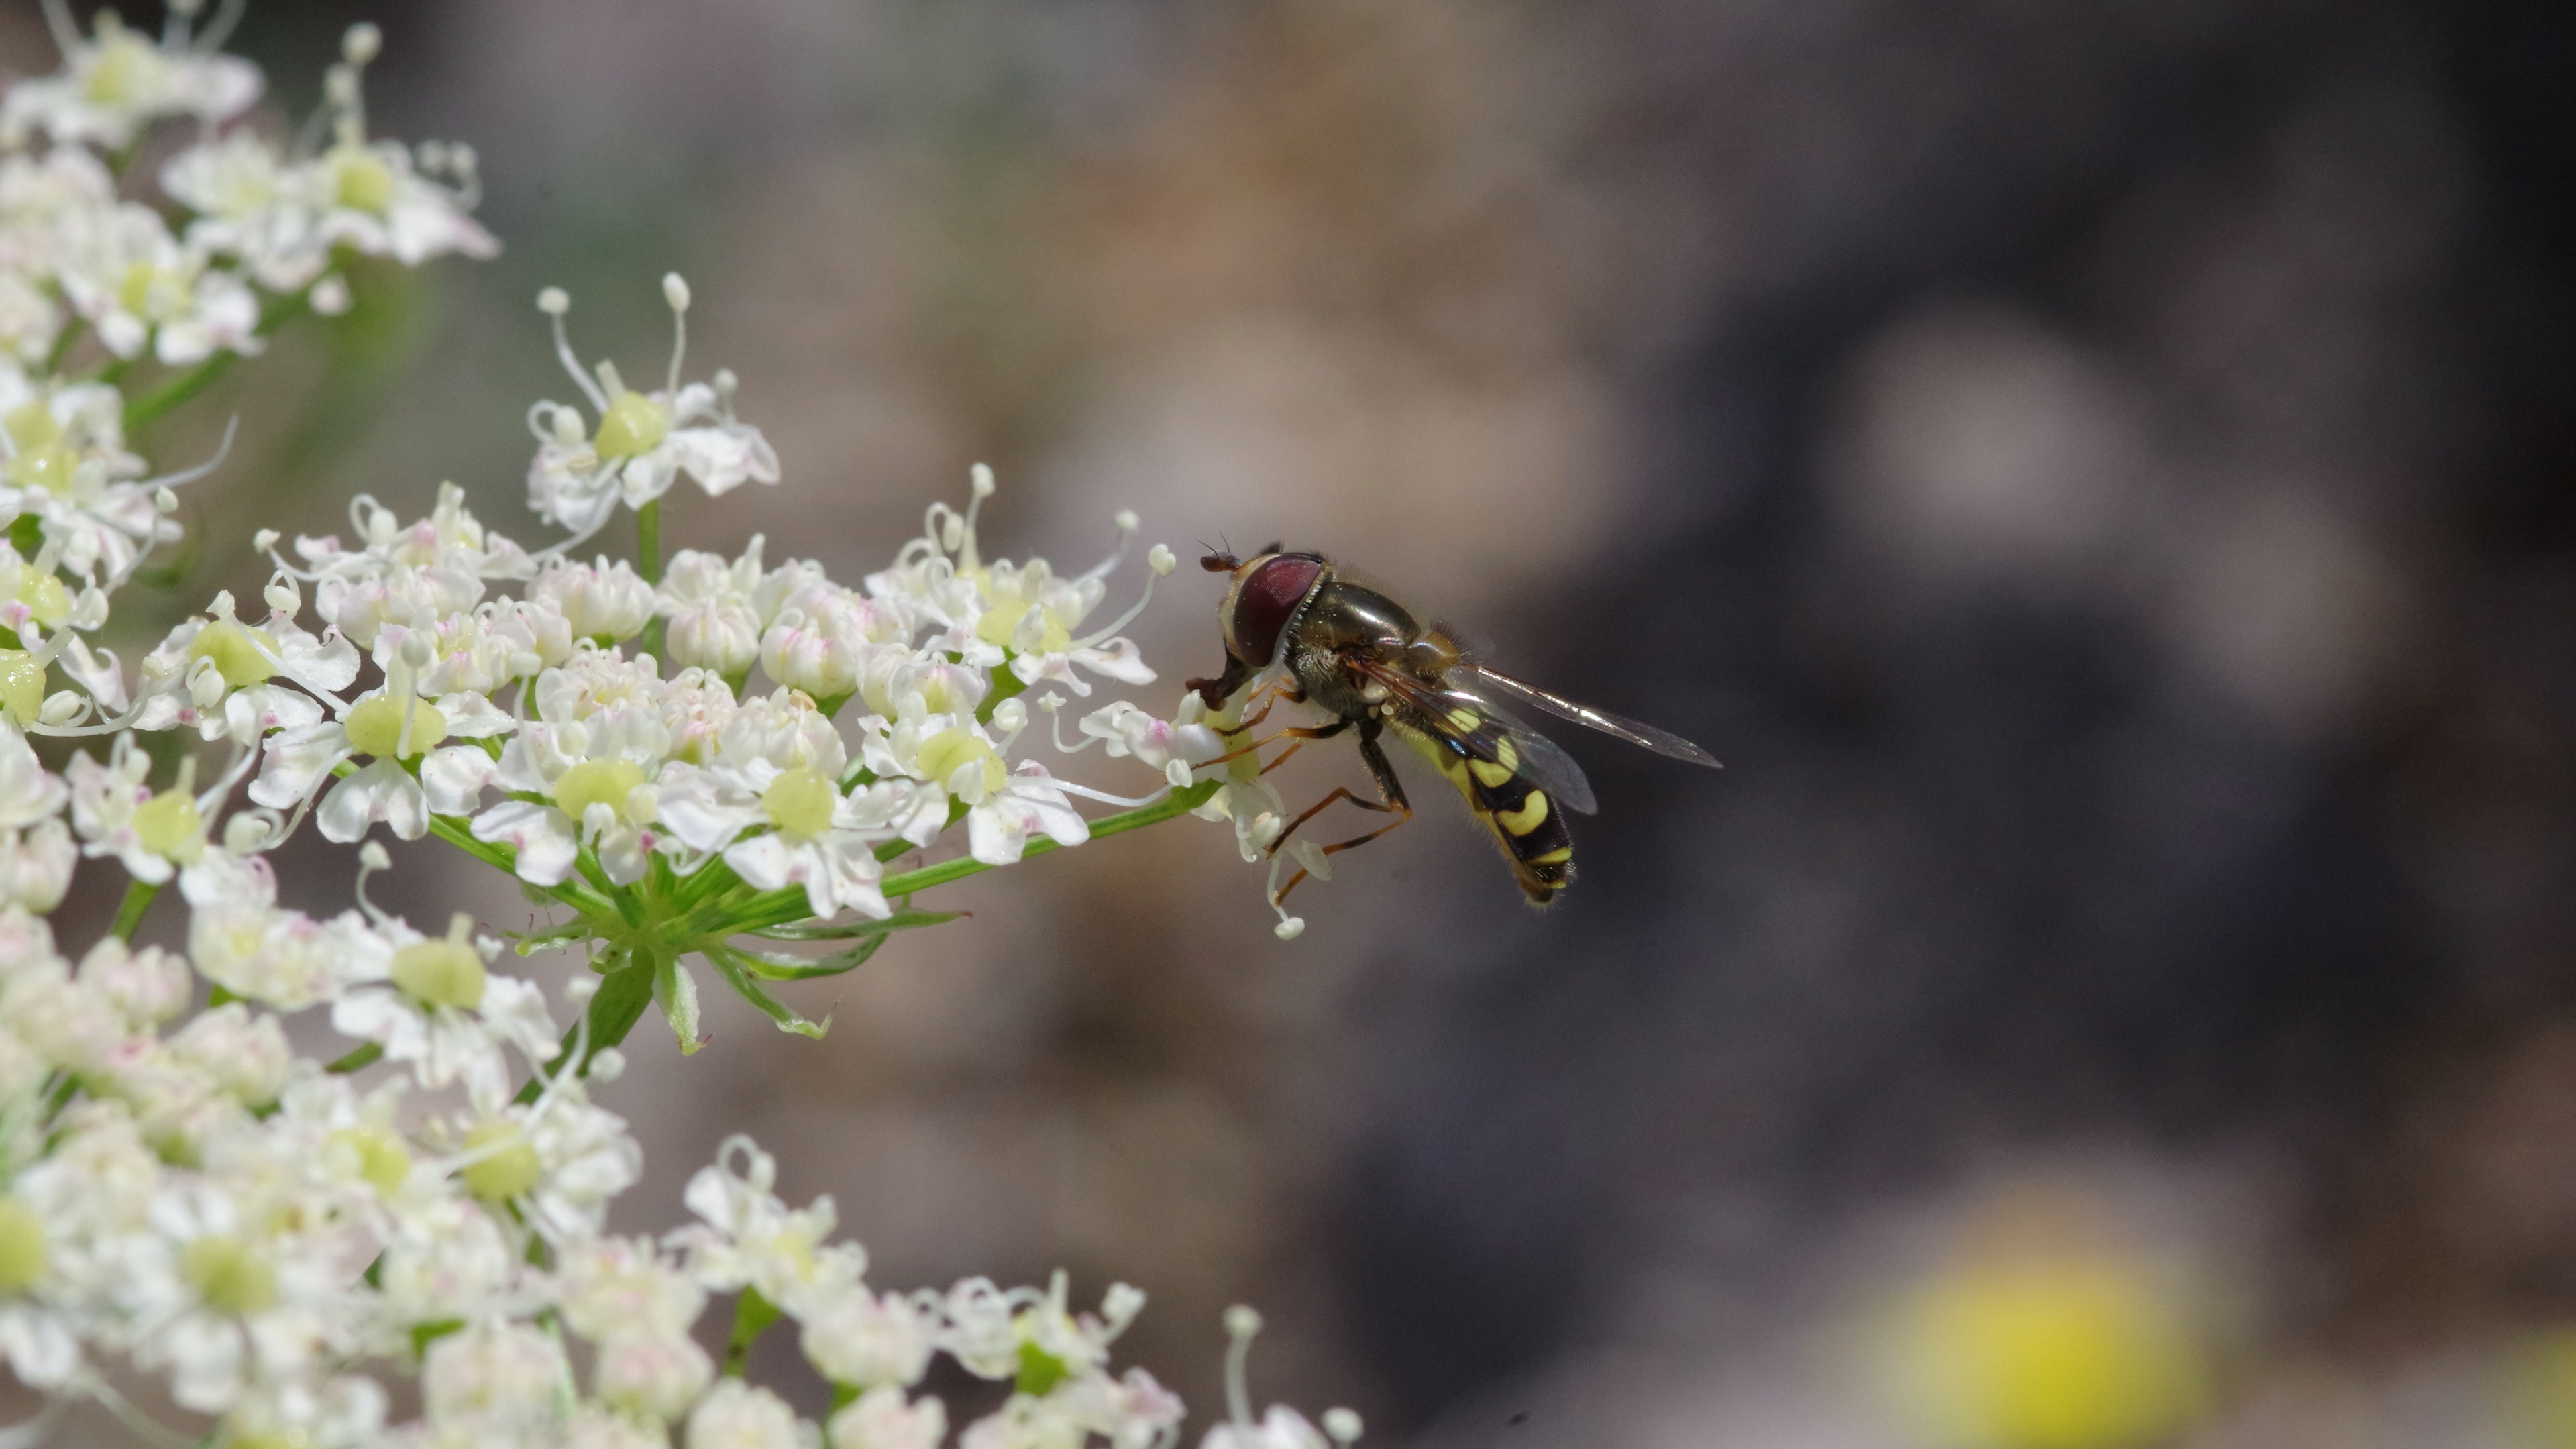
<point>2098,475</point>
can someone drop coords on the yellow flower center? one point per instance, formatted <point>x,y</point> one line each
<point>45,597</point>
<point>442,973</point>
<point>46,467</point>
<point>22,1246</point>
<point>22,687</point>
<point>240,653</point>
<point>383,1160</point>
<point>944,752</point>
<point>597,782</point>
<point>168,826</point>
<point>149,290</point>
<point>366,183</point>
<point>121,62</point>
<point>32,425</point>
<point>800,801</point>
<point>634,425</point>
<point>228,1275</point>
<point>509,1171</point>
<point>1001,626</point>
<point>375,726</point>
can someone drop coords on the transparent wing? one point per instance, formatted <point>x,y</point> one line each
<point>1447,711</point>
<point>1644,736</point>
<point>1550,768</point>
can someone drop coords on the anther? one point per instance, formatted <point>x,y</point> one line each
<point>361,44</point>
<point>554,301</point>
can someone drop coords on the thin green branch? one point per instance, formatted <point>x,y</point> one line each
<point>778,907</point>
<point>138,899</point>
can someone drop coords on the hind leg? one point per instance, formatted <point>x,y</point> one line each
<point>1391,801</point>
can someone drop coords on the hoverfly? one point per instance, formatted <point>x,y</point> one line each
<point>1367,661</point>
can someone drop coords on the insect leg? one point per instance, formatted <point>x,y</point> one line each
<point>1215,692</point>
<point>1292,732</point>
<point>1374,756</point>
<point>1267,705</point>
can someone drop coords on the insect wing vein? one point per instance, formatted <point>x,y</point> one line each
<point>1645,736</point>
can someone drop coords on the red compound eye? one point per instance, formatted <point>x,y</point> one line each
<point>1264,601</point>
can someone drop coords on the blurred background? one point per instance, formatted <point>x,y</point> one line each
<point>2098,475</point>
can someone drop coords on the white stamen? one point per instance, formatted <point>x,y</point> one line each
<point>676,292</point>
<point>1242,1323</point>
<point>362,43</point>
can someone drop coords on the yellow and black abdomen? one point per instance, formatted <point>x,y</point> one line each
<point>1478,757</point>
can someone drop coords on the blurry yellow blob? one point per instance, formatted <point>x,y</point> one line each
<point>2540,1391</point>
<point>2044,1345</point>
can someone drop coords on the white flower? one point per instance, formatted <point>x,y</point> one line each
<point>612,1287</point>
<point>644,442</point>
<point>880,1419</point>
<point>715,621</point>
<point>496,1385</point>
<point>412,575</point>
<point>857,1338</point>
<point>387,727</point>
<point>374,201</point>
<point>435,1006</point>
<point>147,985</point>
<point>1033,613</point>
<point>36,865</point>
<point>605,602</point>
<point>953,753</point>
<point>558,1159</point>
<point>593,780</point>
<point>216,673</point>
<point>811,835</point>
<point>116,82</point>
<point>28,793</point>
<point>229,1303</point>
<point>825,639</point>
<point>117,814</point>
<point>136,283</point>
<point>594,1428</point>
<point>1281,1428</point>
<point>446,1258</point>
<point>245,1056</point>
<point>251,204</point>
<point>69,468</point>
<point>656,1375</point>
<point>736,1415</point>
<point>749,1237</point>
<point>283,959</point>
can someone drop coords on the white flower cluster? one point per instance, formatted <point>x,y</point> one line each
<point>270,1240</point>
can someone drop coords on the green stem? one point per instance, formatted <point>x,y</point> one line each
<point>73,332</point>
<point>752,1315</point>
<point>138,899</point>
<point>648,565</point>
<point>358,1060</point>
<point>458,832</point>
<point>772,908</point>
<point>149,405</point>
<point>648,541</point>
<point>173,391</point>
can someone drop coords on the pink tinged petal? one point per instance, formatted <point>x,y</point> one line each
<point>541,834</point>
<point>455,778</point>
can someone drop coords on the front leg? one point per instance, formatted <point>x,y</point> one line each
<point>1215,692</point>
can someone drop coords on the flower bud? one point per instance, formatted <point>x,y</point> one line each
<point>653,1375</point>
<point>721,636</point>
<point>606,601</point>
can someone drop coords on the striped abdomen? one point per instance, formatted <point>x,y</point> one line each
<point>1478,757</point>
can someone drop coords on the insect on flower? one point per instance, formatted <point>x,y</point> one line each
<point>1369,662</point>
